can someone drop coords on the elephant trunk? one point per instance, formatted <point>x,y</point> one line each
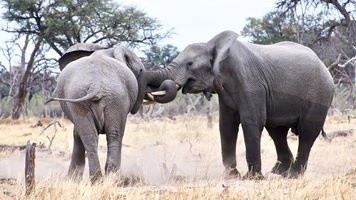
<point>162,80</point>
<point>141,82</point>
<point>156,77</point>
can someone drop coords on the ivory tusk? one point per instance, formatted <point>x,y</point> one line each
<point>158,93</point>
<point>177,86</point>
<point>150,96</point>
<point>147,102</point>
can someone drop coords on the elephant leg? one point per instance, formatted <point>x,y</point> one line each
<point>307,136</point>
<point>77,163</point>
<point>228,134</point>
<point>284,155</point>
<point>114,142</point>
<point>308,127</point>
<point>89,136</point>
<point>114,130</point>
<point>252,137</point>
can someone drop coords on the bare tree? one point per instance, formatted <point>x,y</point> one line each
<point>19,99</point>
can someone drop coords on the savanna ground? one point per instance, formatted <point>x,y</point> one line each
<point>175,159</point>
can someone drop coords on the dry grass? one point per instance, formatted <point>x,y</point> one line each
<point>176,159</point>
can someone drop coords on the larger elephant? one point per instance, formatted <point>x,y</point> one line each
<point>280,87</point>
<point>97,88</point>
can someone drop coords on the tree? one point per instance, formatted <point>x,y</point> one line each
<point>326,26</point>
<point>331,32</point>
<point>157,56</point>
<point>335,13</point>
<point>272,28</point>
<point>56,25</point>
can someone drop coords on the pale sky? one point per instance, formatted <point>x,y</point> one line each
<point>199,20</point>
<point>194,20</point>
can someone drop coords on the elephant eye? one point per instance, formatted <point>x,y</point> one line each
<point>190,63</point>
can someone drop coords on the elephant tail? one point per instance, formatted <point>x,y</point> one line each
<point>92,95</point>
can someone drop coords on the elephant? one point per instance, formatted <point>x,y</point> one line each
<point>278,87</point>
<point>97,88</point>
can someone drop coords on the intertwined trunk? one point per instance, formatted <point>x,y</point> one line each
<point>162,80</point>
<point>156,77</point>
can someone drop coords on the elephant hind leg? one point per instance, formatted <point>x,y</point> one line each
<point>307,137</point>
<point>89,136</point>
<point>77,163</point>
<point>309,127</point>
<point>114,129</point>
<point>284,154</point>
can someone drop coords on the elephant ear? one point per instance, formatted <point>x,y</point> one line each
<point>77,51</point>
<point>125,55</point>
<point>220,45</point>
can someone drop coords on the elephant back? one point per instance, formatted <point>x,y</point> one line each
<point>77,51</point>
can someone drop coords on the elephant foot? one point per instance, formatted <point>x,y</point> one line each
<point>231,173</point>
<point>111,168</point>
<point>253,176</point>
<point>281,168</point>
<point>96,178</point>
<point>75,174</point>
<point>295,172</point>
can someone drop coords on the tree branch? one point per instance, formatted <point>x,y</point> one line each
<point>347,62</point>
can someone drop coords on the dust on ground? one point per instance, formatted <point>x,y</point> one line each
<point>162,151</point>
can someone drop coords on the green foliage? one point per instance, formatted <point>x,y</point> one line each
<point>36,105</point>
<point>157,56</point>
<point>57,25</point>
<point>37,108</point>
<point>63,23</point>
<point>6,105</point>
<point>273,27</point>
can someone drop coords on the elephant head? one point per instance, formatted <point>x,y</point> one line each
<point>124,55</point>
<point>193,69</point>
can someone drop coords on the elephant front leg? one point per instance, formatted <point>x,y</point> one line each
<point>228,135</point>
<point>252,137</point>
<point>77,163</point>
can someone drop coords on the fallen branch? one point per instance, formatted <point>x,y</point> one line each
<point>49,125</point>
<point>50,139</point>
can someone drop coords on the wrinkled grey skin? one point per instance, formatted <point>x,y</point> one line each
<point>279,86</point>
<point>97,89</point>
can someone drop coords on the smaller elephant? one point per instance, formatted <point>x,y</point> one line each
<point>97,88</point>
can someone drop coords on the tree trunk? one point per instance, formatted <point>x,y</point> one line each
<point>19,99</point>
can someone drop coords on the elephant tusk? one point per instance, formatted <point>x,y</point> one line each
<point>177,86</point>
<point>147,102</point>
<point>150,96</point>
<point>158,93</point>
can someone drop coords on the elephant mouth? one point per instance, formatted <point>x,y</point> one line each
<point>192,87</point>
<point>188,87</point>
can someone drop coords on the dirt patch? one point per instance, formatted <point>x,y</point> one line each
<point>182,157</point>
